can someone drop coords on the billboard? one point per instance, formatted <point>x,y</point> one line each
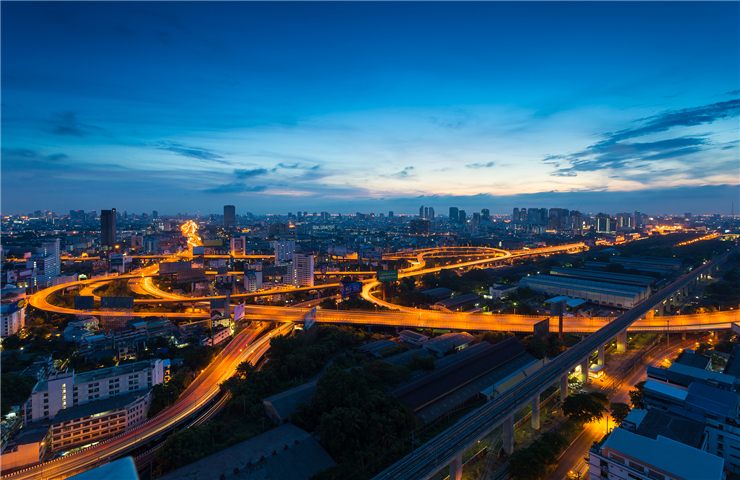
<point>387,275</point>
<point>15,306</point>
<point>117,303</point>
<point>199,250</point>
<point>542,329</point>
<point>191,276</point>
<point>309,319</point>
<point>238,312</point>
<point>350,289</point>
<point>85,302</point>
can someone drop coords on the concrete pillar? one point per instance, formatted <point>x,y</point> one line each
<point>668,305</point>
<point>584,369</point>
<point>563,387</point>
<point>659,313</point>
<point>683,335</point>
<point>622,342</point>
<point>601,355</point>
<point>508,436</point>
<point>456,468</point>
<point>536,412</point>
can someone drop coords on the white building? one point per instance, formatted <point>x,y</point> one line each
<point>95,421</point>
<point>238,245</point>
<point>13,310</point>
<point>301,270</point>
<point>250,282</point>
<point>629,456</point>
<point>68,389</point>
<point>28,447</point>
<point>284,250</point>
<point>53,249</point>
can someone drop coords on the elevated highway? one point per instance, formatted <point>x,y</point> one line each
<point>448,447</point>
<point>245,346</point>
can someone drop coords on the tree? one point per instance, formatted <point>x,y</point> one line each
<point>328,304</point>
<point>637,395</point>
<point>585,407</point>
<point>533,462</point>
<point>535,346</point>
<point>619,411</point>
<point>15,389</point>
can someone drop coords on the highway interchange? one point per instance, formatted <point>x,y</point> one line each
<point>248,345</point>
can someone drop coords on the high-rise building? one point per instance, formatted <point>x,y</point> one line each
<point>284,250</point>
<point>301,270</point>
<point>390,214</point>
<point>108,228</point>
<point>421,212</point>
<point>52,249</point>
<point>454,214</point>
<point>430,216</point>
<point>229,216</point>
<point>476,218</point>
<point>485,214</point>
<point>419,227</point>
<point>155,214</point>
<point>523,215</point>
<point>516,216</point>
<point>426,212</point>
<point>461,216</point>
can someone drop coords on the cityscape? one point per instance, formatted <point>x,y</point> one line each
<point>370,241</point>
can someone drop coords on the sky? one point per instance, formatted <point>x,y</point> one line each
<point>351,106</point>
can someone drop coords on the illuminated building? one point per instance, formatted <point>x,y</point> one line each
<point>284,250</point>
<point>301,270</point>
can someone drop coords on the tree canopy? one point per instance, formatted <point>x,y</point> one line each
<point>585,407</point>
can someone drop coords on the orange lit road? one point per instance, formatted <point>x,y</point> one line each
<point>572,460</point>
<point>200,393</point>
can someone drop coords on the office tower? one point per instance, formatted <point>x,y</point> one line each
<point>284,250</point>
<point>485,214</point>
<point>516,216</point>
<point>108,227</point>
<point>461,216</point>
<point>431,213</point>
<point>155,214</point>
<point>638,219</point>
<point>421,212</point>
<point>523,215</point>
<point>52,249</point>
<point>476,218</point>
<point>454,214</point>
<point>419,227</point>
<point>426,212</point>
<point>301,270</point>
<point>229,216</point>
<point>390,214</point>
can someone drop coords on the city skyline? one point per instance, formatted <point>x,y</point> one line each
<point>348,107</point>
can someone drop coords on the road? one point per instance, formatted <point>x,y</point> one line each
<point>245,346</point>
<point>572,460</point>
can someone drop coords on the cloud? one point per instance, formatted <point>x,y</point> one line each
<point>733,92</point>
<point>25,155</point>
<point>288,166</point>
<point>615,152</point>
<point>243,173</point>
<point>405,173</point>
<point>66,123</point>
<point>236,187</point>
<point>481,165</point>
<point>193,152</point>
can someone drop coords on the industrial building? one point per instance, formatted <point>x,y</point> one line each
<point>456,303</point>
<point>462,380</point>
<point>607,277</point>
<point>600,293</point>
<point>440,346</point>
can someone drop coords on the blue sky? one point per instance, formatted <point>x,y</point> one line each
<point>345,107</point>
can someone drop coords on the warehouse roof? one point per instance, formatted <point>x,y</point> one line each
<point>657,422</point>
<point>287,402</point>
<point>619,278</point>
<point>448,341</point>
<point>297,456</point>
<point>460,301</point>
<point>586,285</point>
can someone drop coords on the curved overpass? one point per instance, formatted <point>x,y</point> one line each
<point>201,392</point>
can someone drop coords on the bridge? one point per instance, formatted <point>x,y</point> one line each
<point>447,448</point>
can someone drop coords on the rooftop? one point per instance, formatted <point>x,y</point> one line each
<point>99,406</point>
<point>657,422</point>
<point>670,456</point>
<point>712,399</point>
<point>588,285</point>
<point>287,402</point>
<point>299,462</point>
<point>445,342</point>
<point>459,301</point>
<point>693,360</point>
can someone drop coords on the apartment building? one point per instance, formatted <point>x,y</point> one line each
<point>65,390</point>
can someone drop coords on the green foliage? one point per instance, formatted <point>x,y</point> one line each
<point>637,395</point>
<point>15,389</point>
<point>418,362</point>
<point>724,346</point>
<point>166,394</point>
<point>535,346</point>
<point>701,348</point>
<point>328,304</point>
<point>354,419</point>
<point>200,357</point>
<point>534,462</point>
<point>116,288</point>
<point>14,342</point>
<point>585,407</point>
<point>731,276</point>
<point>619,411</point>
<point>495,337</point>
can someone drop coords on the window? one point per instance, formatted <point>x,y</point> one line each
<point>637,466</point>
<point>720,438</point>
<point>720,447</point>
<point>617,458</point>
<point>656,475</point>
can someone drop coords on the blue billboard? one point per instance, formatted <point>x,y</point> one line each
<point>350,289</point>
